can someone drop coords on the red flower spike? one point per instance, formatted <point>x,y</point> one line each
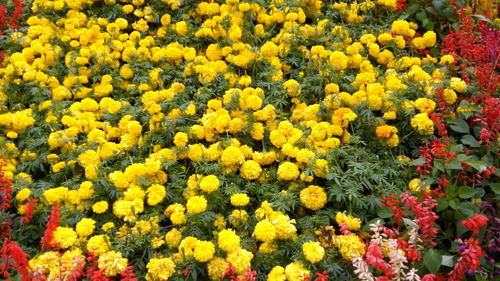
<point>128,274</point>
<point>51,226</point>
<point>14,257</point>
<point>475,223</point>
<point>28,212</point>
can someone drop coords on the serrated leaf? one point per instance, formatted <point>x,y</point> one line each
<point>433,260</point>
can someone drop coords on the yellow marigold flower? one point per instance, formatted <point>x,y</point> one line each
<point>384,38</point>
<point>12,135</point>
<point>107,226</point>
<point>313,197</point>
<point>423,124</point>
<point>402,27</point>
<point>216,267</point>
<point>55,195</point>
<point>181,28</point>
<point>429,38</point>
<point>23,194</point>
<point>228,240</point>
<point>112,263</point>
<point>100,207</point>
<point>203,251</point>
<point>250,170</point>
<point>156,194</point>
<point>98,244</point>
<point>209,184</point>
<point>241,259</point>
<point>264,231</point>
<point>350,246</point>
<point>160,269</point>
<point>127,9</point>
<point>449,96</point>
<point>447,59</point>
<point>277,274</point>
<point>458,84</point>
<point>85,227</point>
<point>126,72</point>
<point>424,105</point>
<point>313,252</point>
<point>64,237</point>
<point>253,102</point>
<point>232,156</point>
<point>296,271</point>
<point>237,217</point>
<point>196,204</point>
<point>269,49</point>
<point>240,200</point>
<point>288,171</point>
<point>178,218</point>
<point>173,237</point>
<point>338,61</point>
<point>385,131</point>
<point>180,139</point>
<point>352,222</point>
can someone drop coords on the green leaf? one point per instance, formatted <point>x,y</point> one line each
<point>454,164</point>
<point>418,161</point>
<point>412,9</point>
<point>460,126</point>
<point>466,192</point>
<point>442,204</point>
<point>470,141</point>
<point>439,4</point>
<point>496,188</point>
<point>433,260</point>
<point>384,212</point>
<point>476,164</point>
<point>454,203</point>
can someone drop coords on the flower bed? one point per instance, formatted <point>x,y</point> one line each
<point>258,140</point>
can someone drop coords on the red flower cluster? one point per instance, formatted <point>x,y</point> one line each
<point>13,257</point>
<point>5,200</point>
<point>469,260</point>
<point>479,47</point>
<point>13,22</point>
<point>28,210</point>
<point>51,226</point>
<point>424,216</point>
<point>475,223</point>
<point>375,258</point>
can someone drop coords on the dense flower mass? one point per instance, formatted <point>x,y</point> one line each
<point>239,139</point>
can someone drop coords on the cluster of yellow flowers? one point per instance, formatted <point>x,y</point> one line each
<point>174,115</point>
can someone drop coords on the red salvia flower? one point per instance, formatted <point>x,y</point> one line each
<point>469,260</point>
<point>14,257</point>
<point>128,274</point>
<point>28,211</point>
<point>475,223</point>
<point>51,226</point>
<point>424,216</point>
<point>375,258</point>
